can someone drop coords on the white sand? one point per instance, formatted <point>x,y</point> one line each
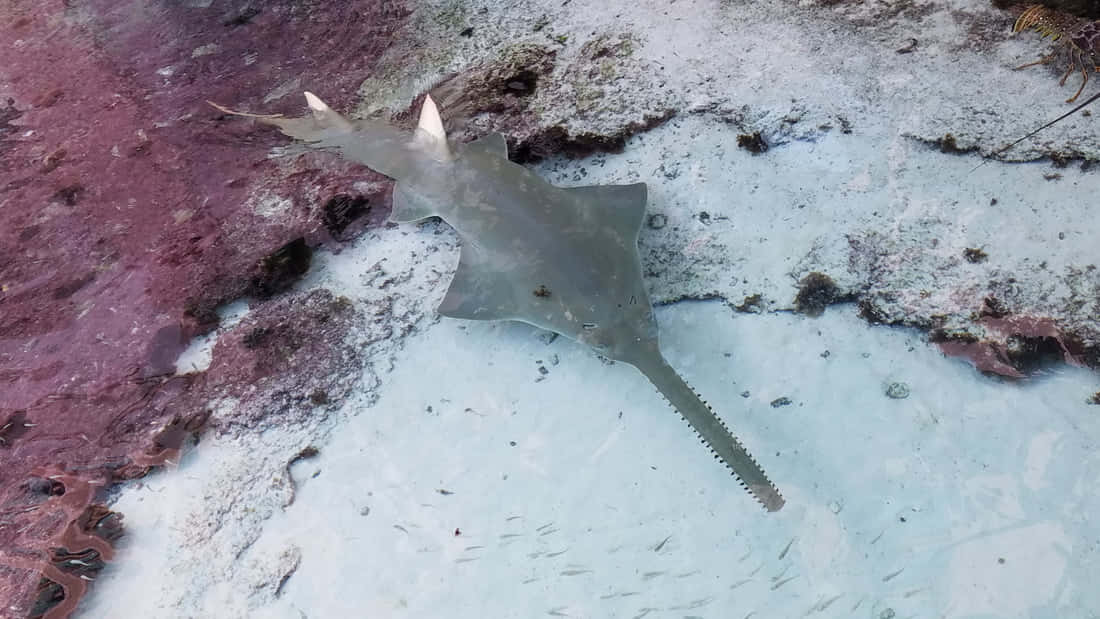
<point>904,504</point>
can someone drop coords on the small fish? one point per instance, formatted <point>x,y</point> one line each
<point>561,259</point>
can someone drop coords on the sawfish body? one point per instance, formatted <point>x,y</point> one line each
<point>562,259</point>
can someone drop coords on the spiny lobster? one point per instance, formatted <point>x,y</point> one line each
<point>1080,35</point>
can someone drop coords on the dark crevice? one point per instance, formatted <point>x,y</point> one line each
<point>279,271</point>
<point>341,210</point>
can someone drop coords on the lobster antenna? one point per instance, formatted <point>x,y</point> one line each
<point>1001,150</point>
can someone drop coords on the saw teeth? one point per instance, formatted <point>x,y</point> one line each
<point>711,430</point>
<point>736,442</point>
<point>733,473</point>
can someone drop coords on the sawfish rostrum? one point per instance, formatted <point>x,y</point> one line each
<point>562,259</point>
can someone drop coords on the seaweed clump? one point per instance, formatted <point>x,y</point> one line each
<point>974,255</point>
<point>752,142</point>
<point>816,291</point>
<point>948,144</point>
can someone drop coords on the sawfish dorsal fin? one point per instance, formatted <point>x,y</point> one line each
<point>490,143</point>
<point>430,136</point>
<point>324,115</point>
<point>623,206</point>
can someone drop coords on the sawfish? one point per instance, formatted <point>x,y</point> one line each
<point>564,259</point>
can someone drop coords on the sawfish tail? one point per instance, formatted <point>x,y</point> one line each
<point>712,431</point>
<point>373,143</point>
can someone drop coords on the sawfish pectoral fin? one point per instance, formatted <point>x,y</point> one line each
<point>711,429</point>
<point>624,205</point>
<point>407,206</point>
<point>477,291</point>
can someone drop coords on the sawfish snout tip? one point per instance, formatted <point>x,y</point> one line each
<point>769,497</point>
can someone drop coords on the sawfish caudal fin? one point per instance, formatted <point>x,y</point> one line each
<point>322,120</point>
<point>375,144</point>
<point>711,430</point>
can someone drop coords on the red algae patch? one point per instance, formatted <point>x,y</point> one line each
<point>128,212</point>
<point>1013,346</point>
